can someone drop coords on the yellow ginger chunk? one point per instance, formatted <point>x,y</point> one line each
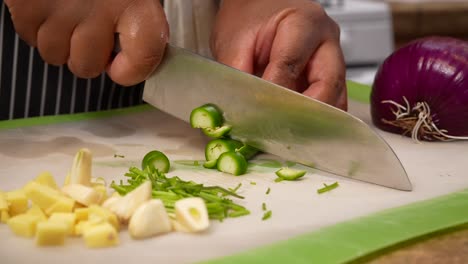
<point>81,227</point>
<point>62,205</point>
<point>81,214</point>
<point>4,212</point>
<point>51,233</point>
<point>46,178</point>
<point>101,235</point>
<point>23,225</point>
<point>41,195</point>
<point>48,199</point>
<point>68,219</point>
<point>3,202</point>
<point>106,214</point>
<point>4,216</point>
<point>18,202</point>
<point>35,210</point>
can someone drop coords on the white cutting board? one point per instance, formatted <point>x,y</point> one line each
<point>434,169</point>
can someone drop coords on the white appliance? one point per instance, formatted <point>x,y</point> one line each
<point>366,34</point>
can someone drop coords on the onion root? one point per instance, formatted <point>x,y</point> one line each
<point>417,120</point>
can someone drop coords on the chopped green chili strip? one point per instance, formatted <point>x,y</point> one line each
<point>327,187</point>
<point>217,132</point>
<point>232,162</point>
<point>264,208</point>
<point>207,115</point>
<point>253,183</point>
<point>171,189</point>
<point>266,215</point>
<point>290,174</point>
<point>268,190</point>
<point>247,151</point>
<point>237,188</point>
<point>216,147</point>
<point>118,156</point>
<point>211,164</point>
<point>239,213</point>
<point>188,162</point>
<point>156,160</point>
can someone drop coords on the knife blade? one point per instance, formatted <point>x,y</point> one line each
<point>275,119</point>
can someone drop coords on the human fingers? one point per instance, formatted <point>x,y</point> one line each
<point>91,46</point>
<point>326,74</point>
<point>143,33</point>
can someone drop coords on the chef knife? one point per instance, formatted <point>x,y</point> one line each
<point>275,119</point>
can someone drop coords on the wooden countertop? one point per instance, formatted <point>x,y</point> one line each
<point>447,248</point>
<point>414,19</point>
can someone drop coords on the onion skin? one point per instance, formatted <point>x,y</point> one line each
<point>432,70</point>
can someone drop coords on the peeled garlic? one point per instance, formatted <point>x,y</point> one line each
<point>176,226</point>
<point>109,202</point>
<point>192,214</point>
<point>149,219</point>
<point>83,194</point>
<point>126,205</point>
<point>81,168</point>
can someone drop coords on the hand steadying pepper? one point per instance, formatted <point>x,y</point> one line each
<point>290,42</point>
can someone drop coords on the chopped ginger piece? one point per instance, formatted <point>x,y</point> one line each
<point>81,227</point>
<point>81,214</point>
<point>105,214</point>
<point>45,178</point>
<point>3,202</point>
<point>17,201</point>
<point>68,219</point>
<point>41,195</point>
<point>51,233</point>
<point>62,205</point>
<point>35,210</point>
<point>23,225</point>
<point>101,235</point>
<point>4,216</point>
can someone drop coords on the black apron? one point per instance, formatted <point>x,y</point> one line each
<point>30,87</point>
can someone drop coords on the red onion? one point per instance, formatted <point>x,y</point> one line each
<point>421,90</point>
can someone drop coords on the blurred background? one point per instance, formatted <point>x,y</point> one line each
<point>372,29</point>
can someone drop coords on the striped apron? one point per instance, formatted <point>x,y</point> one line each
<point>29,87</point>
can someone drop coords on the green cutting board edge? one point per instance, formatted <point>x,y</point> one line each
<point>351,240</point>
<point>340,243</point>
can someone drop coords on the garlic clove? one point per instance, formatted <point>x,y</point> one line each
<point>82,194</point>
<point>126,205</point>
<point>109,202</point>
<point>149,219</point>
<point>81,168</point>
<point>178,227</point>
<point>192,214</point>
